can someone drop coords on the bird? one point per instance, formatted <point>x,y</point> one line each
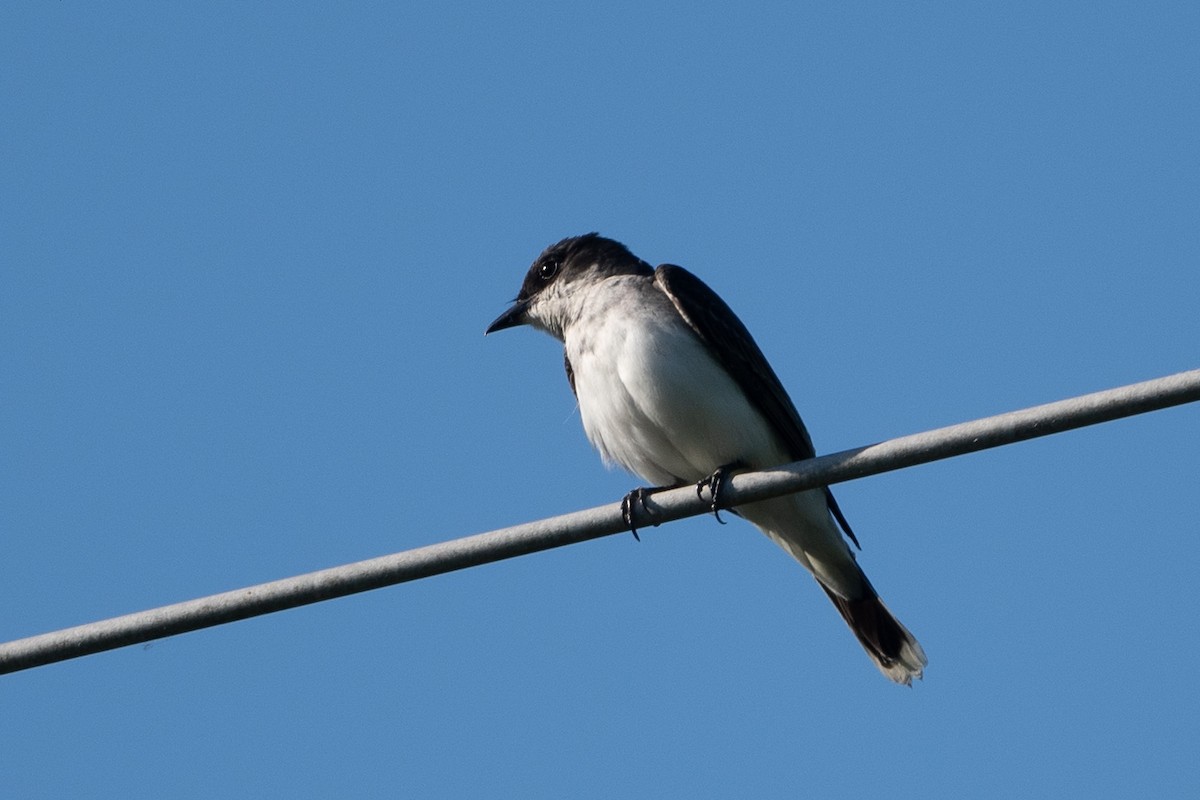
<point>671,386</point>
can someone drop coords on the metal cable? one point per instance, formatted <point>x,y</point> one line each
<point>483,548</point>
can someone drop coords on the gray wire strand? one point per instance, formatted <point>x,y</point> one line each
<point>592,523</point>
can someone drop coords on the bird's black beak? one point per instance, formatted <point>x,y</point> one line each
<point>510,319</point>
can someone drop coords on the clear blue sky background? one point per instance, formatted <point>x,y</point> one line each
<point>248,254</point>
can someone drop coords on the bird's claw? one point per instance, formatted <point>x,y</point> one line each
<point>637,495</point>
<point>714,483</point>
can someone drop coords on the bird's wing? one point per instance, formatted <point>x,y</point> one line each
<point>570,373</point>
<point>733,347</point>
<point>735,350</point>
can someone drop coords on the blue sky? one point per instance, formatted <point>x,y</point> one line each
<point>249,251</point>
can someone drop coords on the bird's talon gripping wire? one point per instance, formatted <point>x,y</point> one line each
<point>638,495</point>
<point>714,483</point>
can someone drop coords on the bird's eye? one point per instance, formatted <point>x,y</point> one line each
<point>548,270</point>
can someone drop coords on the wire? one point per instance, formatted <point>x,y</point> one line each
<point>483,548</point>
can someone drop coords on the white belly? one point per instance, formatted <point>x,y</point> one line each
<point>654,401</point>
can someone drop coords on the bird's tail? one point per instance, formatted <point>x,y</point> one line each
<point>889,644</point>
<point>804,525</point>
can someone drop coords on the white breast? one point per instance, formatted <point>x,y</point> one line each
<point>652,398</point>
<point>655,401</point>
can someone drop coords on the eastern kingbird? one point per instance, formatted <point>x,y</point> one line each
<point>672,387</point>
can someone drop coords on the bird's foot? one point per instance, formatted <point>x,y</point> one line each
<point>714,483</point>
<point>639,496</point>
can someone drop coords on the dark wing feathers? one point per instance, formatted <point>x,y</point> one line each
<point>719,328</point>
<point>840,517</point>
<point>570,373</point>
<point>716,324</point>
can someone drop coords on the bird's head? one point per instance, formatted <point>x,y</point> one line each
<point>559,278</point>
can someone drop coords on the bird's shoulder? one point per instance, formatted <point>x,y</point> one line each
<point>730,343</point>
